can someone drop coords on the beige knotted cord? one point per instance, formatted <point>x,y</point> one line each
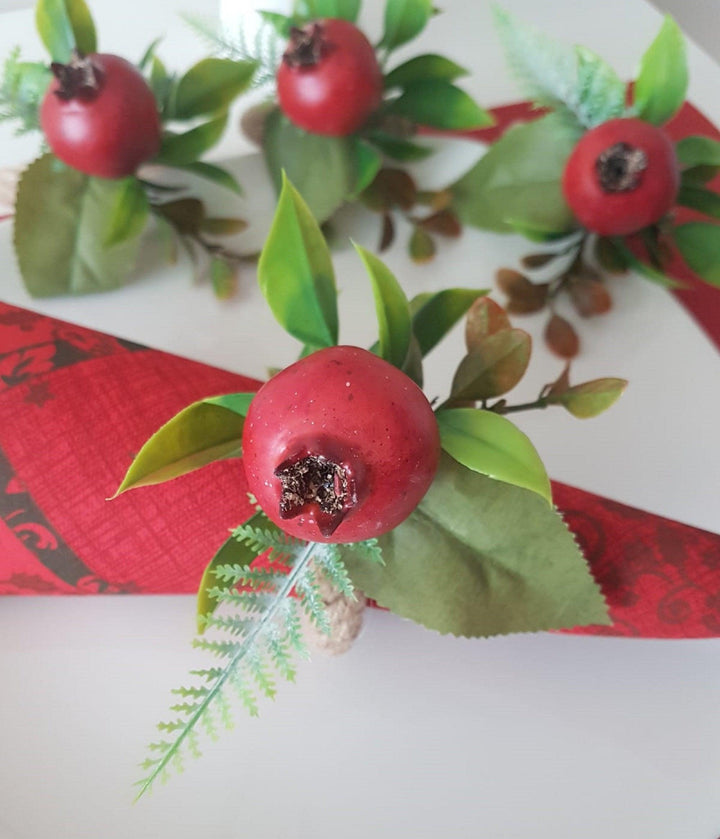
<point>345,615</point>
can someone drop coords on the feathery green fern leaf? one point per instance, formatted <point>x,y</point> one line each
<point>21,91</point>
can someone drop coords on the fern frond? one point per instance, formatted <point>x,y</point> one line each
<point>265,635</point>
<point>329,562</point>
<point>369,550</point>
<point>21,91</point>
<point>265,48</point>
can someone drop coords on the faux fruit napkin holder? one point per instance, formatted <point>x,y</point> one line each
<point>442,514</point>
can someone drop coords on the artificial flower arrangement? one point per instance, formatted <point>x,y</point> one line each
<point>595,176</point>
<point>82,206</point>
<point>441,513</point>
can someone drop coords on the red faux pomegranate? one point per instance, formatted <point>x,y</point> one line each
<point>100,116</point>
<point>329,80</point>
<point>622,176</point>
<point>340,447</point>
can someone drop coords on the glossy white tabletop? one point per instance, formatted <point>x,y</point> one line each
<point>410,734</point>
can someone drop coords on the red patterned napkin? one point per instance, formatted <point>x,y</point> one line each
<point>76,404</point>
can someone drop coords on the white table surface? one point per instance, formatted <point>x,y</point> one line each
<point>410,734</point>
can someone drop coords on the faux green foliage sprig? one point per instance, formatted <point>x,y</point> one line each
<point>523,183</point>
<point>94,248</point>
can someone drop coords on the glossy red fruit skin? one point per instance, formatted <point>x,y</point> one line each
<point>336,96</point>
<point>356,409</point>
<point>110,134</point>
<point>624,212</point>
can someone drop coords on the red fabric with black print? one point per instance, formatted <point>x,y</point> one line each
<point>75,405</point>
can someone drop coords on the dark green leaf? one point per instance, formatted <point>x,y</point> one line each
<point>698,151</point>
<point>518,180</point>
<point>223,226</point>
<point>404,19</point>
<point>489,443</point>
<point>129,213</point>
<point>493,367</point>
<point>161,84</point>
<point>480,557</point>
<point>424,67</point>
<point>186,214</point>
<point>148,55</point>
<point>609,256</point>
<point>296,275</point>
<point>435,314</point>
<point>210,86</point>
<point>183,149</point>
<point>198,435</point>
<point>643,268</point>
<point>392,309</point>
<point>64,25</point>
<point>61,220</point>
<point>661,84</point>
<point>213,173</point>
<point>699,174</point>
<point>590,398</point>
<point>439,104</point>
<point>367,165</point>
<point>699,244</point>
<point>324,170</point>
<point>398,148</point>
<point>697,198</point>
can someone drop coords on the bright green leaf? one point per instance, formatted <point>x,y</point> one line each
<point>210,86</point>
<point>223,277</point>
<point>129,212</point>
<point>479,557</point>
<point>64,25</point>
<point>60,225</point>
<point>489,443</point>
<point>397,148</point>
<point>590,398</point>
<point>296,275</point>
<point>439,104</point>
<point>435,314</point>
<point>198,435</point>
<point>698,151</point>
<point>238,403</point>
<point>493,367</point>
<point>345,9</point>
<point>326,171</point>
<point>518,180</point>
<point>404,19</point>
<point>367,165</point>
<point>699,244</point>
<point>662,81</point>
<point>183,149</point>
<point>391,306</point>
<point>424,67</point>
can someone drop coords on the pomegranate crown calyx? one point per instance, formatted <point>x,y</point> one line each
<point>80,78</point>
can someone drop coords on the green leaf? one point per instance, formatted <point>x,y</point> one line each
<point>345,9</point>
<point>238,403</point>
<point>186,214</point>
<point>296,275</point>
<point>435,314</point>
<point>61,219</point>
<point>404,19</point>
<point>210,86</point>
<point>697,198</point>
<point>398,148</point>
<point>571,80</point>
<point>149,54</point>
<point>367,165</point>
<point>200,434</point>
<point>223,226</point>
<point>326,171</point>
<point>479,557</point>
<point>424,67</point>
<point>518,180</point>
<point>22,89</point>
<point>439,104</point>
<point>213,173</point>
<point>421,246</point>
<point>493,367</point>
<point>489,443</point>
<point>699,244</point>
<point>662,81</point>
<point>590,398</point>
<point>232,552</point>
<point>391,306</point>
<point>129,214</point>
<point>183,149</point>
<point>162,84</point>
<point>642,268</point>
<point>282,24</point>
<point>64,25</point>
<point>698,151</point>
<point>223,276</point>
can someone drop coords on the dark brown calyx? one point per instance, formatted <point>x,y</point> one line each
<point>315,480</point>
<point>307,46</point>
<point>80,78</point>
<point>620,167</point>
